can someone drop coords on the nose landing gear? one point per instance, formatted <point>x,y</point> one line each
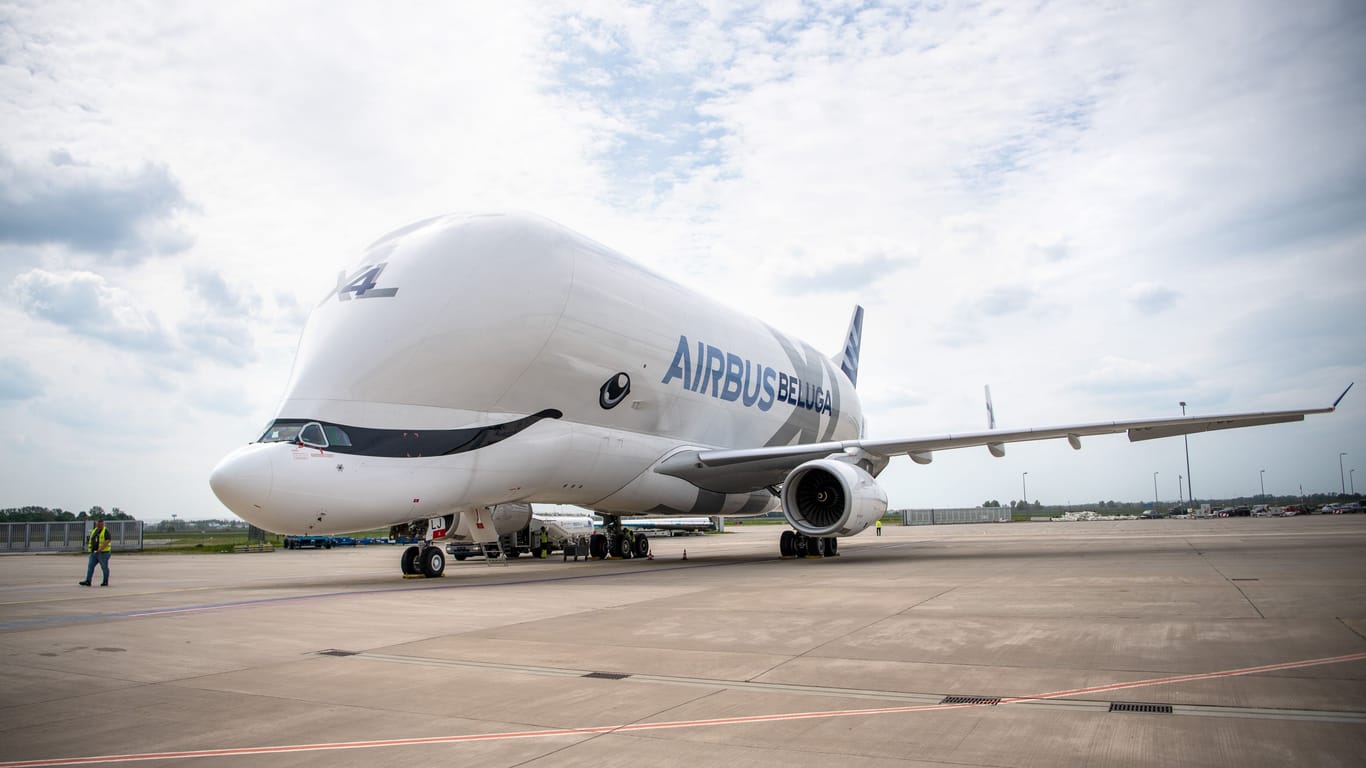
<point>424,558</point>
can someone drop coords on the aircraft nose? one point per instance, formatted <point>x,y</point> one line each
<point>242,481</point>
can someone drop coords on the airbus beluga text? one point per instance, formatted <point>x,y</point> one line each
<point>471,365</point>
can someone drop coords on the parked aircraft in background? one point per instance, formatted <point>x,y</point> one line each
<point>470,364</point>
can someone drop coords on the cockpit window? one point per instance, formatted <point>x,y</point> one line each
<point>336,436</point>
<point>281,433</point>
<point>312,434</point>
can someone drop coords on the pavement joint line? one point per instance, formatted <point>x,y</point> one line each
<point>1045,701</point>
<point>649,726</point>
<point>20,624</point>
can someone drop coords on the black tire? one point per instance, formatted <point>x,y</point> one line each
<point>433,562</point>
<point>786,544</point>
<point>832,547</point>
<point>801,545</point>
<point>407,562</point>
<point>642,546</point>
<point>597,546</point>
<point>459,557</point>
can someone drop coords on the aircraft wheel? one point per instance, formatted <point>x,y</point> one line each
<point>800,545</point>
<point>433,562</point>
<point>642,546</point>
<point>407,562</point>
<point>597,546</point>
<point>787,545</point>
<point>832,546</point>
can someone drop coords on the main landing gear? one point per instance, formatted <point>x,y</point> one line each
<point>618,542</point>
<point>796,544</point>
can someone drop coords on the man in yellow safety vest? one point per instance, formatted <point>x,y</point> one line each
<point>99,546</point>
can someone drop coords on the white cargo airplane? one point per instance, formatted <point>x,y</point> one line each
<point>471,364</point>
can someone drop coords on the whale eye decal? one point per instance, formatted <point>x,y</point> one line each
<point>614,390</point>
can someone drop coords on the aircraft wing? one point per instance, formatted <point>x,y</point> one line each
<point>738,470</point>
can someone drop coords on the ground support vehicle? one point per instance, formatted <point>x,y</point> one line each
<point>304,542</point>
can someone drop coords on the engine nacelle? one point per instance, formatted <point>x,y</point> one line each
<point>510,518</point>
<point>825,497</point>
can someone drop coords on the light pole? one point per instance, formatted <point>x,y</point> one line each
<point>1024,489</point>
<point>1154,493</point>
<point>1262,476</point>
<point>1352,479</point>
<point>1340,475</point>
<point>1190,494</point>
<point>1179,499</point>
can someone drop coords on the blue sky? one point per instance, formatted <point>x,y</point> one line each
<point>1099,211</point>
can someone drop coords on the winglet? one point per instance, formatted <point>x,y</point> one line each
<point>848,359</point>
<point>997,449</point>
<point>1344,394</point>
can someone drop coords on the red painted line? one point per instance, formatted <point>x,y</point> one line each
<point>629,727</point>
<point>1197,676</point>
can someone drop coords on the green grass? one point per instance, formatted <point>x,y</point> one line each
<point>182,542</point>
<point>211,542</point>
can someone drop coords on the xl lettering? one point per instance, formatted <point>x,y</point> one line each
<point>362,284</point>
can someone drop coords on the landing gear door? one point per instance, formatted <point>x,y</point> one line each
<point>477,525</point>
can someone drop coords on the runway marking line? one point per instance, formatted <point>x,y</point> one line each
<point>632,727</point>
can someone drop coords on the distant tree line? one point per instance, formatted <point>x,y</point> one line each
<point>45,515</point>
<point>176,525</point>
<point>1113,507</point>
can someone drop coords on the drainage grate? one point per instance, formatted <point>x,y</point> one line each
<point>971,700</point>
<point>1157,709</point>
<point>606,676</point>
<point>335,652</point>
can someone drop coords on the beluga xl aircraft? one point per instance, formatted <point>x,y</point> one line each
<point>471,365</point>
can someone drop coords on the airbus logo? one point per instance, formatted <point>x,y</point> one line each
<point>726,376</point>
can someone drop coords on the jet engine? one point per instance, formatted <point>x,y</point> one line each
<point>825,497</point>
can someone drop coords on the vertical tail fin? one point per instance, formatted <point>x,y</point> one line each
<point>848,359</point>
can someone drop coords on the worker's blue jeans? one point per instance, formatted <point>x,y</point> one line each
<point>103,559</point>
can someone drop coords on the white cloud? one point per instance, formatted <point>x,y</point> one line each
<point>18,381</point>
<point>129,214</point>
<point>89,306</point>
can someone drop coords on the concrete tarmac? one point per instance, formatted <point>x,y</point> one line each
<point>1243,640</point>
